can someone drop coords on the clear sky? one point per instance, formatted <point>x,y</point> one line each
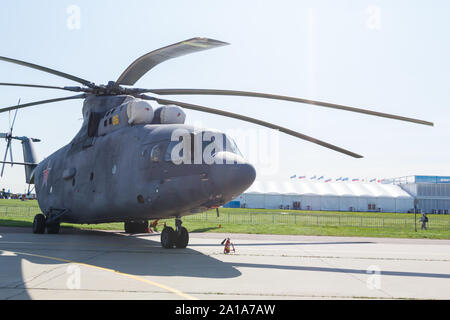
<point>389,56</point>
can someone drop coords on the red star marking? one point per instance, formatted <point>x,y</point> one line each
<point>46,173</point>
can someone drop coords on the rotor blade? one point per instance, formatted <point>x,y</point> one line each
<point>143,64</point>
<point>14,119</point>
<point>74,89</point>
<point>10,154</point>
<point>48,70</point>
<point>4,158</point>
<point>252,120</point>
<point>21,138</point>
<point>80,96</point>
<point>284,98</point>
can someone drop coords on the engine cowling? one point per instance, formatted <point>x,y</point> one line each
<point>169,114</point>
<point>140,112</point>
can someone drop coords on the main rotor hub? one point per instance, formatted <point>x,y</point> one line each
<point>110,89</point>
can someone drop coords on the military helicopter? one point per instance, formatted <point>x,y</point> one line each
<point>133,161</point>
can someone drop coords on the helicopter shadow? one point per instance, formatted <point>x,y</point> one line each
<point>127,254</point>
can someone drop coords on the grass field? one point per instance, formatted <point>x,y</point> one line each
<point>362,224</point>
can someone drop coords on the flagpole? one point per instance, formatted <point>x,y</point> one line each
<point>415,215</point>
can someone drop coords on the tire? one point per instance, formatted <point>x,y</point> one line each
<point>182,239</point>
<point>39,224</point>
<point>53,228</point>
<point>168,237</point>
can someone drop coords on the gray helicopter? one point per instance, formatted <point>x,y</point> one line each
<point>133,161</point>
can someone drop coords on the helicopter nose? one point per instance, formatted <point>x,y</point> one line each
<point>231,174</point>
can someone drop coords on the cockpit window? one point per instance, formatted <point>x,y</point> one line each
<point>233,148</point>
<point>210,142</point>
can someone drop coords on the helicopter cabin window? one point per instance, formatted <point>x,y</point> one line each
<point>156,155</point>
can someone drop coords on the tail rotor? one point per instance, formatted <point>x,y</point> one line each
<point>9,137</point>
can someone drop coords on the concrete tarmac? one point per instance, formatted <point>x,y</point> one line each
<point>112,265</point>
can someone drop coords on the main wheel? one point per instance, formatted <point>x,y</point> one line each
<point>182,239</point>
<point>39,224</point>
<point>168,237</point>
<point>53,228</point>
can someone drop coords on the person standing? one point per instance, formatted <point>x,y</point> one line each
<point>424,220</point>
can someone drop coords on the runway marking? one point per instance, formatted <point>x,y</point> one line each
<point>153,283</point>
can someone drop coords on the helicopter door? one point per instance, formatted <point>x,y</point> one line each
<point>94,120</point>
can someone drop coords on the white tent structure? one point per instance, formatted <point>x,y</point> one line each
<point>331,196</point>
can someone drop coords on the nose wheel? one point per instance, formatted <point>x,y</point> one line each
<point>178,237</point>
<point>40,223</point>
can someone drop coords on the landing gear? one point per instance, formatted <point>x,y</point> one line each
<point>53,228</point>
<point>136,226</point>
<point>168,237</point>
<point>40,223</point>
<point>182,239</point>
<point>178,238</point>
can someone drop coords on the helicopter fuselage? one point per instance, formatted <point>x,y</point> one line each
<point>128,174</point>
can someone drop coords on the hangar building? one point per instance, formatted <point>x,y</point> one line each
<point>332,196</point>
<point>431,192</point>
